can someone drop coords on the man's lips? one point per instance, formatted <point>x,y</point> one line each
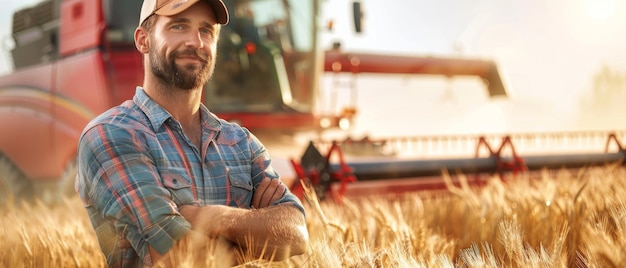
<point>191,58</point>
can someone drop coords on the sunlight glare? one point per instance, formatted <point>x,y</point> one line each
<point>600,9</point>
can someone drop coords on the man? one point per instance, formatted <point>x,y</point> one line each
<point>160,170</point>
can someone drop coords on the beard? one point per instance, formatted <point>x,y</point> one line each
<point>187,77</point>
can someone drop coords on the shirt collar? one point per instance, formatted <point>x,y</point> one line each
<point>209,120</point>
<point>158,115</point>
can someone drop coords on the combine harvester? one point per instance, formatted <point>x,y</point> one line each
<point>74,59</point>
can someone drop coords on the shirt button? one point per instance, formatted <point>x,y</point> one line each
<point>175,181</point>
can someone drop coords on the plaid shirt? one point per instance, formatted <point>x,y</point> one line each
<point>136,167</point>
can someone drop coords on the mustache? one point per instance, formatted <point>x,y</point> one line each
<point>192,53</point>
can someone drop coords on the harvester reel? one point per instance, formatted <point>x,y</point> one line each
<point>13,184</point>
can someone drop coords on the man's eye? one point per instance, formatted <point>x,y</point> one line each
<point>178,27</point>
<point>206,31</point>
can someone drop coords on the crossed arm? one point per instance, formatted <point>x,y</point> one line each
<point>272,232</point>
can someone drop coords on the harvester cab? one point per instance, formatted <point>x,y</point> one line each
<point>269,67</point>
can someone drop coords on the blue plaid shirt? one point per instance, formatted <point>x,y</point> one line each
<point>136,167</point>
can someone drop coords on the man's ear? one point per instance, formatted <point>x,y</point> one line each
<point>142,42</point>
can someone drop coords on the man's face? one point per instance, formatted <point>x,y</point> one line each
<point>183,47</point>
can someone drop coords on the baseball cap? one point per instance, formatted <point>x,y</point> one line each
<point>173,7</point>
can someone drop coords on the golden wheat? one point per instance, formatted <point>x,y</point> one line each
<point>541,219</point>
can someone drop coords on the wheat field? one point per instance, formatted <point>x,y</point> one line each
<point>566,218</point>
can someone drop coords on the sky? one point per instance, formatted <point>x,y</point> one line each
<point>547,51</point>
<point>539,44</point>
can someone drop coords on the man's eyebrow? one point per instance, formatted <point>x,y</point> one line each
<point>186,20</point>
<point>204,24</point>
<point>208,25</point>
<point>180,20</point>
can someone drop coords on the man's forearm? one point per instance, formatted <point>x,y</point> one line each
<point>278,231</point>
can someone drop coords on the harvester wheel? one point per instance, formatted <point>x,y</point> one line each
<point>13,184</point>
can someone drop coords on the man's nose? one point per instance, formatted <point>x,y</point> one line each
<point>195,40</point>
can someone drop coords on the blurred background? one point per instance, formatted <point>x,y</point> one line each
<point>562,62</point>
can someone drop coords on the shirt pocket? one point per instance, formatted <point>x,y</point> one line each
<point>241,185</point>
<point>175,180</point>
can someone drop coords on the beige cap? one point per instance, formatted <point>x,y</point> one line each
<point>173,7</point>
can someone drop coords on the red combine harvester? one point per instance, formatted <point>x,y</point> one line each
<point>73,59</point>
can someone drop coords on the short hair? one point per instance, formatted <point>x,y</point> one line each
<point>149,22</point>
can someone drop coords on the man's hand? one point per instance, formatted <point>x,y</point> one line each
<point>268,192</point>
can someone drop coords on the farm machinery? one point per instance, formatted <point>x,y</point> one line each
<point>418,163</point>
<point>73,59</point>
